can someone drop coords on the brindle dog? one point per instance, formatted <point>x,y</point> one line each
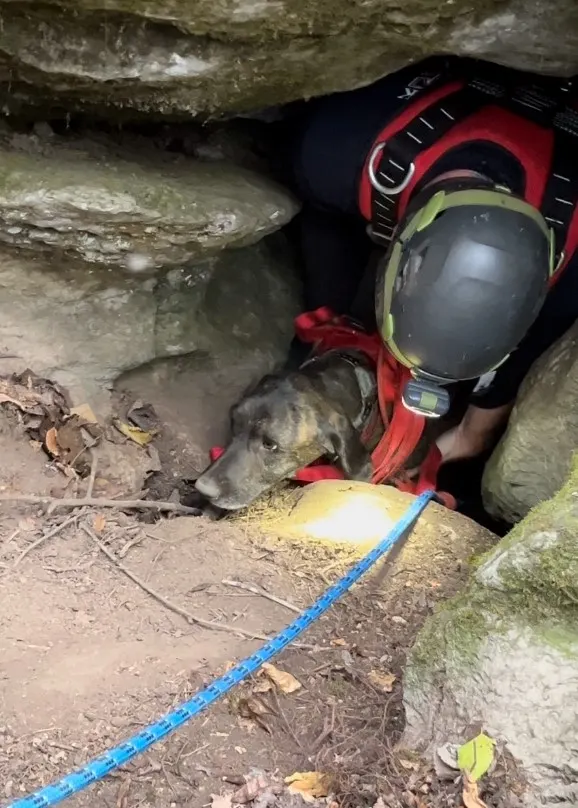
<point>292,418</point>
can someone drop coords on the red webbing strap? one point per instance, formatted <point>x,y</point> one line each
<point>401,434</point>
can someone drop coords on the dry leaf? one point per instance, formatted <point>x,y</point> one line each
<point>85,413</point>
<point>254,709</point>
<point>310,785</point>
<point>99,523</point>
<point>264,686</point>
<point>470,794</point>
<point>4,399</point>
<point>384,681</point>
<point>221,800</point>
<point>134,433</point>
<point>286,682</point>
<point>51,442</point>
<point>251,790</point>
<point>476,756</point>
<point>338,643</point>
<point>408,765</point>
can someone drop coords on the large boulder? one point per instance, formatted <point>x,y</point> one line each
<point>84,326</point>
<point>504,654</point>
<point>533,459</point>
<point>199,57</point>
<point>133,207</point>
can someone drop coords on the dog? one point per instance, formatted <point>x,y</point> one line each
<point>291,418</point>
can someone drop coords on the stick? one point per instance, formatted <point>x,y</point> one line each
<point>127,504</point>
<point>190,618</point>
<point>258,591</point>
<point>43,538</point>
<point>92,477</point>
<point>287,724</point>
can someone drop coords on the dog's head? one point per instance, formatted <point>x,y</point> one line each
<point>283,424</point>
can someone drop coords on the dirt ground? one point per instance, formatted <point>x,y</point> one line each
<point>89,656</point>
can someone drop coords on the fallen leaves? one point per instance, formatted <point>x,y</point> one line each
<point>285,682</point>
<point>470,795</point>
<point>253,788</point>
<point>383,681</point>
<point>51,442</point>
<point>256,787</point>
<point>252,708</point>
<point>43,409</point>
<point>140,436</point>
<point>476,756</point>
<point>309,785</point>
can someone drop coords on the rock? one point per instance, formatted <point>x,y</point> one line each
<point>358,515</point>
<point>504,654</point>
<point>141,209</point>
<point>200,58</point>
<point>85,327</point>
<point>533,459</point>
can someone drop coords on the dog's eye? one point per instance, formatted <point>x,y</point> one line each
<point>269,444</point>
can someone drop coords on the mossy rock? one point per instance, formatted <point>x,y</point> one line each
<point>201,58</point>
<point>504,653</point>
<point>139,209</point>
<point>533,459</point>
<point>85,326</point>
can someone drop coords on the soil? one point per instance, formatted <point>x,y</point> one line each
<point>89,657</point>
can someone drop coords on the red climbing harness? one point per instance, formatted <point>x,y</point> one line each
<point>538,128</point>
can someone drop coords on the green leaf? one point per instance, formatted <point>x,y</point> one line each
<point>476,756</point>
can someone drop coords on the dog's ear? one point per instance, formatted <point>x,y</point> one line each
<point>340,438</point>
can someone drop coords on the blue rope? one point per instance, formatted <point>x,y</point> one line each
<point>121,754</point>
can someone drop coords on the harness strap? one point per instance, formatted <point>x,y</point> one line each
<point>322,329</point>
<point>402,433</point>
<point>395,163</point>
<point>392,166</point>
<point>561,198</point>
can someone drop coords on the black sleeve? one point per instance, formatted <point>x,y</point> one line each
<point>335,251</point>
<point>558,314</point>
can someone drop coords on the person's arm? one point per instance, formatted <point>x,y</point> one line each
<point>476,432</point>
<point>490,405</point>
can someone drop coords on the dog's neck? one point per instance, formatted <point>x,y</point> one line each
<point>364,376</point>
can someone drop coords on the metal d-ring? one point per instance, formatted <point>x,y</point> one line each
<point>397,189</point>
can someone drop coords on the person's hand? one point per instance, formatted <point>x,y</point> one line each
<point>474,434</point>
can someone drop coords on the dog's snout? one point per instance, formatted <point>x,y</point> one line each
<point>208,487</point>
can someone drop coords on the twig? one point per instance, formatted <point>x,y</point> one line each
<point>92,477</point>
<point>43,538</point>
<point>127,504</point>
<point>8,541</point>
<point>327,730</point>
<point>263,593</point>
<point>287,724</point>
<point>190,618</point>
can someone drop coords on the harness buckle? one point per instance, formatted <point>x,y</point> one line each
<point>382,189</point>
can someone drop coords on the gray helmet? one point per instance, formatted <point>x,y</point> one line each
<point>462,282</point>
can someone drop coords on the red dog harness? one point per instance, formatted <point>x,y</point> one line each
<point>538,128</point>
<point>400,434</point>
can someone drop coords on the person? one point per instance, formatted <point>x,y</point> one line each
<point>439,205</point>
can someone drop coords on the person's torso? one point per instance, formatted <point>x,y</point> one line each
<point>340,130</point>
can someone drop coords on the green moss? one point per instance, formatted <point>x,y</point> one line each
<point>539,590</point>
<point>560,637</point>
